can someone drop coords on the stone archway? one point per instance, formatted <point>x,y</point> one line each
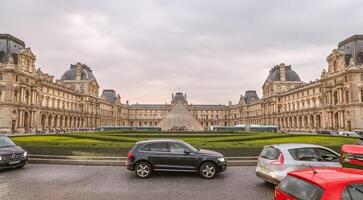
<point>311,122</point>
<point>43,122</point>
<point>61,122</point>
<point>50,119</point>
<point>336,121</point>
<point>318,122</point>
<point>55,124</point>
<point>26,122</point>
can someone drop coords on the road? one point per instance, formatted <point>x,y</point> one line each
<point>38,181</point>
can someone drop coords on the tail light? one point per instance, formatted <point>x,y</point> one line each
<point>129,155</point>
<point>280,160</point>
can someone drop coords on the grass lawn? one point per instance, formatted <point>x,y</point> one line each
<point>118,143</point>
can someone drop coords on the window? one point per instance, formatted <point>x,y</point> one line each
<point>361,95</point>
<point>159,147</point>
<point>327,156</point>
<point>347,96</point>
<point>177,148</point>
<point>300,189</point>
<point>1,76</point>
<point>304,154</point>
<point>270,153</point>
<point>361,77</point>
<point>353,192</point>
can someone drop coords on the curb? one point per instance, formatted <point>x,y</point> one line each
<point>116,161</point>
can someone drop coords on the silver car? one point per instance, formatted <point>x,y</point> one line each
<point>275,161</point>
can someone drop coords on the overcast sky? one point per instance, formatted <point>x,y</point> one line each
<point>213,50</point>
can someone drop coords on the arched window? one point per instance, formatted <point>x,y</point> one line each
<point>347,99</point>
<point>15,96</point>
<point>360,58</point>
<point>335,66</point>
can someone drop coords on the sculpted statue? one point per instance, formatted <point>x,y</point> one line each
<point>323,73</point>
<point>351,62</point>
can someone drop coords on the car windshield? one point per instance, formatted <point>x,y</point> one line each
<point>190,147</point>
<point>300,189</point>
<point>6,142</point>
<point>354,134</point>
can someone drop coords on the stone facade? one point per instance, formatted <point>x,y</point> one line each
<point>32,101</point>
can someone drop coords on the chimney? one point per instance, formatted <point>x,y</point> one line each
<point>282,72</point>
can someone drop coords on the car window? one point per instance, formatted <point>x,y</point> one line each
<point>300,189</point>
<point>177,148</point>
<point>353,192</point>
<point>305,154</point>
<point>270,153</point>
<point>327,156</point>
<point>158,147</point>
<point>6,142</point>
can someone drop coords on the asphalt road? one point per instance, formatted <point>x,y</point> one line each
<point>37,181</point>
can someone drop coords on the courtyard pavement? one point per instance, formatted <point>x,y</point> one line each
<point>41,181</point>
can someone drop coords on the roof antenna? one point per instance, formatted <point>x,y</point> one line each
<point>312,168</point>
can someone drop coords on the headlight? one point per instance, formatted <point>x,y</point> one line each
<point>25,154</point>
<point>221,160</point>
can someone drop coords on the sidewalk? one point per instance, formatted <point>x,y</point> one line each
<point>116,161</point>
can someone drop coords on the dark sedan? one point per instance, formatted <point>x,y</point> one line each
<point>11,156</point>
<point>173,155</point>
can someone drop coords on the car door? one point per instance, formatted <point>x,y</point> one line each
<point>182,157</point>
<point>353,192</point>
<point>328,158</point>
<point>159,155</point>
<point>306,157</point>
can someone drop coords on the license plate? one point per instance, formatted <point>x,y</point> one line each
<point>14,162</point>
<point>264,170</point>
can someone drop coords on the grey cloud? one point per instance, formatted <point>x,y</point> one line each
<point>214,50</point>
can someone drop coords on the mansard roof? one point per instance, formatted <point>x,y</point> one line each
<point>208,107</point>
<point>109,96</point>
<point>86,73</point>
<point>290,75</point>
<point>149,106</point>
<point>251,96</point>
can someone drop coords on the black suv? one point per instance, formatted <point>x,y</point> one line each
<point>11,156</point>
<point>173,155</point>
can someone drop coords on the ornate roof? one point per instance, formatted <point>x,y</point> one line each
<point>208,107</point>
<point>109,96</point>
<point>251,96</point>
<point>84,72</point>
<point>290,75</point>
<point>149,106</point>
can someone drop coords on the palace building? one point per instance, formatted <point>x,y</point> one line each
<point>33,101</point>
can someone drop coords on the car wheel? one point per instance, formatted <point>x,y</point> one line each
<point>143,170</point>
<point>208,170</point>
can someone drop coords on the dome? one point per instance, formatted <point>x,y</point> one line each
<point>290,75</point>
<point>84,70</point>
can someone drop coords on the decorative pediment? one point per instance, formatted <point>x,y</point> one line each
<point>336,61</point>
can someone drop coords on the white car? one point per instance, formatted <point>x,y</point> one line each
<point>275,161</point>
<point>349,133</point>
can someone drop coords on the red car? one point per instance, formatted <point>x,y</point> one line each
<point>352,156</point>
<point>333,183</point>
